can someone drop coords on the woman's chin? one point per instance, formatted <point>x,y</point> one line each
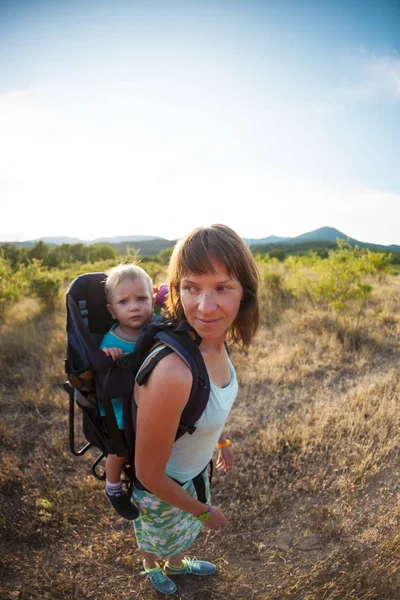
<point>212,334</point>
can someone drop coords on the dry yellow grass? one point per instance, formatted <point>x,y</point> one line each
<point>313,502</point>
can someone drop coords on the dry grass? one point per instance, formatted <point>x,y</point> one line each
<point>313,503</point>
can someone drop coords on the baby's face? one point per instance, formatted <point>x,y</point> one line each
<point>132,303</point>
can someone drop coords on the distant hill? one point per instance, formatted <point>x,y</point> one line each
<point>324,237</point>
<point>272,239</point>
<point>133,241</point>
<point>50,241</point>
<point>124,238</point>
<point>57,241</point>
<point>327,234</point>
<point>330,234</point>
<point>149,247</point>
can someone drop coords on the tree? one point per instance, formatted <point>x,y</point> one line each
<point>40,251</point>
<point>165,255</point>
<point>14,255</point>
<point>277,253</point>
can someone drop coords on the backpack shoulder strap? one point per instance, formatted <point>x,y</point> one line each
<point>155,356</point>
<point>180,342</point>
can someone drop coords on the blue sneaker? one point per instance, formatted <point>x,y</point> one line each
<point>162,583</point>
<point>191,566</point>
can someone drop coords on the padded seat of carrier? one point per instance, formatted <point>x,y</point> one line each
<point>89,288</point>
<point>87,321</point>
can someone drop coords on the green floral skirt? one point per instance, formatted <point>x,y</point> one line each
<point>164,529</point>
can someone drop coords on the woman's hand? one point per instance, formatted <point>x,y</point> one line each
<point>113,352</point>
<point>225,460</point>
<point>217,520</point>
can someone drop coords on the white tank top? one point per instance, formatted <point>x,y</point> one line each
<point>192,453</point>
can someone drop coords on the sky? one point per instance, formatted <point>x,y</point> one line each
<point>148,117</point>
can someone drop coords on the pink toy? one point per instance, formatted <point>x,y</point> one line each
<point>162,294</point>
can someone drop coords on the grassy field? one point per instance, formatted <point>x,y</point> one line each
<point>313,502</point>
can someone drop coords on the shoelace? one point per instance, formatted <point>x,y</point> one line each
<point>190,564</point>
<point>158,576</point>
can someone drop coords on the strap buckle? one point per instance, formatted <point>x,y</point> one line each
<point>190,429</point>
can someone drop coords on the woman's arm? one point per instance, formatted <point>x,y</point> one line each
<point>160,404</point>
<point>222,438</point>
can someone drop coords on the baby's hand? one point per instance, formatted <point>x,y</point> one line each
<point>113,352</point>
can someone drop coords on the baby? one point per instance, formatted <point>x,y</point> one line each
<point>130,300</point>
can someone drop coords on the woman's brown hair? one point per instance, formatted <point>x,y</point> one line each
<point>195,252</point>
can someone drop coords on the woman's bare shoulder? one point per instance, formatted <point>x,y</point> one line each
<point>172,368</point>
<point>171,378</point>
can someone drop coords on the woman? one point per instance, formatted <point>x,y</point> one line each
<point>213,283</point>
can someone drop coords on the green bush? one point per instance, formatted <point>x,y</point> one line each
<point>275,297</point>
<point>338,283</point>
<point>14,255</point>
<point>154,269</point>
<point>165,255</point>
<point>9,287</point>
<point>47,287</point>
<point>14,283</point>
<point>40,251</point>
<point>278,253</point>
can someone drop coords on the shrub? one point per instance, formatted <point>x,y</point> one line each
<point>154,269</point>
<point>47,287</point>
<point>274,295</point>
<point>338,283</point>
<point>9,287</point>
<point>165,255</point>
<point>278,253</point>
<point>14,255</point>
<point>14,283</point>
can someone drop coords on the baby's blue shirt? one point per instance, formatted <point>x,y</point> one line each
<point>112,340</point>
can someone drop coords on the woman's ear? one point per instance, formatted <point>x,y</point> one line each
<point>110,310</point>
<point>244,301</point>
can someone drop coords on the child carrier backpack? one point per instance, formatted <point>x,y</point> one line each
<point>93,376</point>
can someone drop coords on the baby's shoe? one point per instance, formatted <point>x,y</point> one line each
<point>124,507</point>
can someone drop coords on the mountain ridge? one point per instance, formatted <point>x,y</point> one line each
<point>322,234</point>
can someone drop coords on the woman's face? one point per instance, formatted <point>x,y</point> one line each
<point>211,301</point>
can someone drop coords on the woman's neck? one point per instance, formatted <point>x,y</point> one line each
<point>212,345</point>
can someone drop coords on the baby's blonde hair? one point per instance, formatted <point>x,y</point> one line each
<point>122,272</point>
